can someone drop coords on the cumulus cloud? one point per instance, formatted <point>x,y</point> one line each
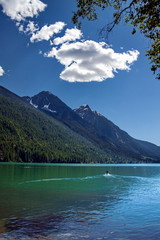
<point>70,35</point>
<point>91,61</point>
<point>21,9</point>
<point>46,32</point>
<point>84,61</point>
<point>1,71</point>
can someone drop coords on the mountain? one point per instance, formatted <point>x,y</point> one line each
<point>5,92</point>
<point>29,135</point>
<point>42,128</point>
<point>54,107</point>
<point>95,128</point>
<point>120,138</point>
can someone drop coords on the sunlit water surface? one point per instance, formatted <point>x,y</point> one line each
<point>40,201</point>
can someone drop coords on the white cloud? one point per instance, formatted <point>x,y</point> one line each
<point>31,27</point>
<point>70,35</point>
<point>91,61</point>
<point>20,28</point>
<point>1,71</point>
<point>52,53</point>
<point>21,9</point>
<point>83,61</point>
<point>46,32</point>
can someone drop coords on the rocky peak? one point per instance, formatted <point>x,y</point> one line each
<point>44,100</point>
<point>52,105</point>
<point>83,110</point>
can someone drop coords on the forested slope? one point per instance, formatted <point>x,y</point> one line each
<point>27,135</point>
<point>44,129</point>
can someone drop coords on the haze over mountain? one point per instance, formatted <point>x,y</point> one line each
<point>44,129</point>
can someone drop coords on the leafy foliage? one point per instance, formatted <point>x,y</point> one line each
<point>143,15</point>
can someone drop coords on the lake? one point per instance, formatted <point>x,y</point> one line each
<point>65,202</point>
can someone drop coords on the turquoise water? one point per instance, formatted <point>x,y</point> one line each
<point>40,201</point>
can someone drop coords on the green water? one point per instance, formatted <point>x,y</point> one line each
<point>79,202</point>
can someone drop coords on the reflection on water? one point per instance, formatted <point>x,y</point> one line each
<point>79,201</point>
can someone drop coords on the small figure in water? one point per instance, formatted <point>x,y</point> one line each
<point>106,174</point>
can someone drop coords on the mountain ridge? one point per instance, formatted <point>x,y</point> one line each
<point>121,138</point>
<point>96,128</point>
<point>28,135</point>
<point>60,111</point>
<point>113,143</point>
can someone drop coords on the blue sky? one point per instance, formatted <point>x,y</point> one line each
<point>33,31</point>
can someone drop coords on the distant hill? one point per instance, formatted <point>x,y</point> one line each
<point>44,129</point>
